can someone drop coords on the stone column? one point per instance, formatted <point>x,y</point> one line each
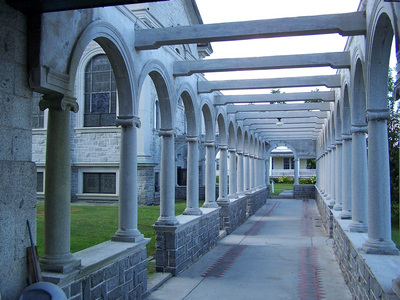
<point>223,174</point>
<point>192,188</point>
<point>296,170</point>
<point>232,173</point>
<point>210,175</point>
<point>332,178</point>
<point>338,176</point>
<point>359,178</point>
<point>128,219</point>
<point>167,178</point>
<point>379,208</point>
<point>267,179</point>
<point>251,172</point>
<point>346,178</point>
<point>246,174</point>
<point>240,174</point>
<point>327,173</point>
<point>57,255</point>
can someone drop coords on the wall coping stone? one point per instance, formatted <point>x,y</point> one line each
<point>95,258</point>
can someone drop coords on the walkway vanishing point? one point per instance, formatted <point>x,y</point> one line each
<point>281,252</point>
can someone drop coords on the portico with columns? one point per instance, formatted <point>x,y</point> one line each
<point>352,190</point>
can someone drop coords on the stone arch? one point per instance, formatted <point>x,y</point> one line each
<point>246,142</point>
<point>222,128</point>
<point>185,91</point>
<point>338,122</point>
<point>119,55</point>
<point>358,103</point>
<point>346,111</point>
<point>165,92</point>
<point>273,145</point>
<point>240,139</point>
<point>379,56</point>
<point>232,141</point>
<point>207,111</point>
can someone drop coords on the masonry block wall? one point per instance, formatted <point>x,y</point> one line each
<point>18,185</point>
<point>256,200</point>
<point>233,214</point>
<point>304,191</point>
<point>326,214</point>
<point>178,247</point>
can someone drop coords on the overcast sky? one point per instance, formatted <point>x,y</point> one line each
<point>218,11</point>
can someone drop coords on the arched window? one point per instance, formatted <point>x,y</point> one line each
<point>100,93</point>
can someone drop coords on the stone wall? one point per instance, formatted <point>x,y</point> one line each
<point>367,276</point>
<point>180,192</point>
<point>145,186</point>
<point>111,270</point>
<point>256,200</point>
<point>18,181</point>
<point>179,246</point>
<point>304,191</point>
<point>233,214</point>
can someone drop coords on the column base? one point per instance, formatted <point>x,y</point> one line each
<point>210,205</point>
<point>223,200</point>
<point>192,211</point>
<point>337,207</point>
<point>345,215</point>
<point>373,246</point>
<point>168,221</point>
<point>64,263</point>
<point>358,227</point>
<point>240,194</point>
<point>128,236</point>
<point>234,196</point>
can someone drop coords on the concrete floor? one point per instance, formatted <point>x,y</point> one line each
<point>281,252</point>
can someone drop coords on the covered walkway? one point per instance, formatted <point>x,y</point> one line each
<point>281,252</point>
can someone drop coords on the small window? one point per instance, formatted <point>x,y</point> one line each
<point>99,183</point>
<point>39,182</point>
<point>286,163</point>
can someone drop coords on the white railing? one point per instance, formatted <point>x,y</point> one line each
<point>304,173</point>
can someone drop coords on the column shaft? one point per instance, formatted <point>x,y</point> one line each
<point>192,188</point>
<point>346,178</point>
<point>296,170</point>
<point>338,176</point>
<point>210,175</point>
<point>167,180</point>
<point>240,174</point>
<point>223,174</point>
<point>246,174</point>
<point>232,174</point>
<point>127,229</point>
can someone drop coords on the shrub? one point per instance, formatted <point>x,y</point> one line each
<point>311,180</point>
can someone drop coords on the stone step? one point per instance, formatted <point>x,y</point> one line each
<point>155,281</point>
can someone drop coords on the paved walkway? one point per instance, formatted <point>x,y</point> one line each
<point>281,252</point>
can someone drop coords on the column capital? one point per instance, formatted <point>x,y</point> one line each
<point>338,142</point>
<point>127,121</point>
<point>359,128</point>
<point>232,149</point>
<point>346,137</point>
<point>167,133</point>
<point>223,147</point>
<point>377,114</point>
<point>192,139</point>
<point>239,152</point>
<point>333,146</point>
<point>58,102</point>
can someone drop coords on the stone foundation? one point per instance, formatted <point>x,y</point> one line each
<point>304,191</point>
<point>233,214</point>
<point>179,246</point>
<point>256,200</point>
<point>110,270</point>
<point>368,276</point>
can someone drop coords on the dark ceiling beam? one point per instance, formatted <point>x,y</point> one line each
<point>42,6</point>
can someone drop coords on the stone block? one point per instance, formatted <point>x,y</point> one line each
<point>96,278</point>
<point>75,288</point>
<point>115,294</point>
<point>112,283</point>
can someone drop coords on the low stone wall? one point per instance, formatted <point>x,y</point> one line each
<point>179,246</point>
<point>233,214</point>
<point>325,212</point>
<point>304,191</point>
<point>256,200</point>
<point>110,270</point>
<point>180,192</point>
<point>368,276</point>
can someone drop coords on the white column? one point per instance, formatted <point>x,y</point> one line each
<point>192,188</point>
<point>251,172</point>
<point>296,170</point>
<point>332,178</point>
<point>338,176</point>
<point>359,178</point>
<point>267,167</point>
<point>57,222</point>
<point>379,210</point>
<point>326,172</point>
<point>240,174</point>
<point>232,173</point>
<point>210,175</point>
<point>127,221</point>
<point>167,180</point>
<point>246,174</point>
<point>223,174</point>
<point>346,178</point>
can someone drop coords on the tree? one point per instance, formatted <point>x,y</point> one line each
<point>278,91</point>
<point>393,134</point>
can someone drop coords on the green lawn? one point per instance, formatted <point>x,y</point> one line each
<point>396,235</point>
<point>94,224</point>
<point>280,187</point>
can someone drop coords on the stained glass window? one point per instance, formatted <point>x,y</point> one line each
<point>100,93</point>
